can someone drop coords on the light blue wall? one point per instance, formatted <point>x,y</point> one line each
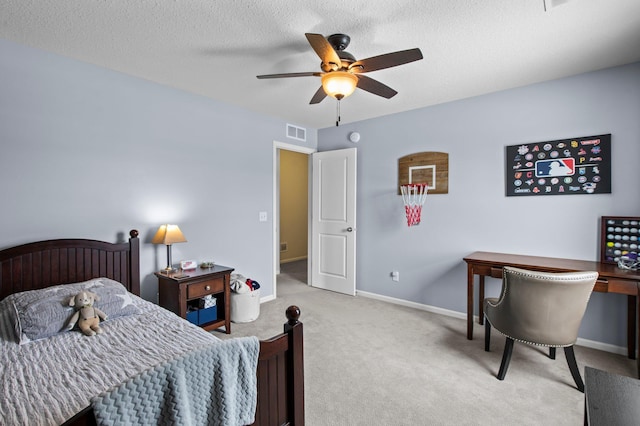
<point>476,215</point>
<point>90,153</point>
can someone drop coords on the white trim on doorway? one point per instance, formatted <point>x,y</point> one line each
<point>276,204</point>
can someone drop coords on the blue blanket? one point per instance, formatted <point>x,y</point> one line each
<point>214,385</point>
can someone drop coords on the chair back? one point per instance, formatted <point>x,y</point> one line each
<point>542,308</point>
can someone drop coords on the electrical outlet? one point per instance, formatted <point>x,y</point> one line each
<point>395,276</point>
<point>262,217</point>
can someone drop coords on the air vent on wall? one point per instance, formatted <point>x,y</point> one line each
<point>295,132</point>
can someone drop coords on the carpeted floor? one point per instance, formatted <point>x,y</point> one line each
<point>369,362</point>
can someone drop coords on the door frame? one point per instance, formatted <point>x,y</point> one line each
<point>276,207</point>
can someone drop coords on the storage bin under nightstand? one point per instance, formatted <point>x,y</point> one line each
<point>202,316</point>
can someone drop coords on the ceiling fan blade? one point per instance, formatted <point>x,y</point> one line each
<point>318,96</point>
<point>325,51</point>
<point>291,74</point>
<point>375,87</point>
<point>387,60</point>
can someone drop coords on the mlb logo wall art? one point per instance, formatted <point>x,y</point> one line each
<point>561,167</point>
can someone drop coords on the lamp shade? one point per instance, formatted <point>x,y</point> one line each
<point>339,84</point>
<point>168,234</point>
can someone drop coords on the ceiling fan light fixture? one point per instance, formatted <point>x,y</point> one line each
<point>339,84</point>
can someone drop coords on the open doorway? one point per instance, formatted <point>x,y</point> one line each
<point>331,183</point>
<point>294,213</point>
<point>291,213</point>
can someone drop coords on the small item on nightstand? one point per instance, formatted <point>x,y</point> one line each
<point>207,264</point>
<point>188,264</point>
<point>179,276</point>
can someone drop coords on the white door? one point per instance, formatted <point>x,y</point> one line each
<point>333,227</point>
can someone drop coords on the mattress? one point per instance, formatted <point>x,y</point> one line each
<point>48,381</point>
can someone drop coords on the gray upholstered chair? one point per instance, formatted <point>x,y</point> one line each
<point>542,309</point>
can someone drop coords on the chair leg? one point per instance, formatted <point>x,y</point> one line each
<point>552,352</point>
<point>487,335</point>
<point>506,358</point>
<point>573,366</point>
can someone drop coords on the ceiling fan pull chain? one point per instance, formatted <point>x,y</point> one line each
<point>338,113</point>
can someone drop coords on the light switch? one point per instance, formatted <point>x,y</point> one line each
<point>262,217</point>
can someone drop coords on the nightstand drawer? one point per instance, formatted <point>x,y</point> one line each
<point>205,287</point>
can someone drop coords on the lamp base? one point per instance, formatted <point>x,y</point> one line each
<point>168,270</point>
<point>169,267</point>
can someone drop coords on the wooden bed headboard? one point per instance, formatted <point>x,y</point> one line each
<point>42,264</point>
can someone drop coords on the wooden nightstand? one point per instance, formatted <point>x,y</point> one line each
<point>177,290</point>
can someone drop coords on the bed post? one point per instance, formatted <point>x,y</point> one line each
<point>134,262</point>
<point>296,364</point>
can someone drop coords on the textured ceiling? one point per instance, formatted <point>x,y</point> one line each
<point>216,48</point>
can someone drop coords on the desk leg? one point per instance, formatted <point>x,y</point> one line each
<point>637,325</point>
<point>481,300</point>
<point>631,326</point>
<point>469,302</point>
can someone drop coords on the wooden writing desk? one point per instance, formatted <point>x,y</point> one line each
<point>611,279</point>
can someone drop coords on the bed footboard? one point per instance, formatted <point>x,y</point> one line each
<point>280,379</point>
<point>281,376</point>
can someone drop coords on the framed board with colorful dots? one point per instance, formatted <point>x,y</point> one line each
<point>561,167</point>
<point>619,238</point>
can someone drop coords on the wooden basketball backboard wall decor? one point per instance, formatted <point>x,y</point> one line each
<point>431,168</point>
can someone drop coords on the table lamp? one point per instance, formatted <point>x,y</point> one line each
<point>168,235</point>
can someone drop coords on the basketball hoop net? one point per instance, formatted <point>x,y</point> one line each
<point>413,196</point>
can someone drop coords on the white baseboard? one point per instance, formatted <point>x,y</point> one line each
<point>267,299</point>
<point>605,347</point>
<point>461,315</point>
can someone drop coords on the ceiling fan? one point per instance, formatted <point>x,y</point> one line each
<point>342,73</point>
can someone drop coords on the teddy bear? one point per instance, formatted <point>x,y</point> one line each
<point>86,316</point>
